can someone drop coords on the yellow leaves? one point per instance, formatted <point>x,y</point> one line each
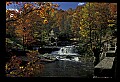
<point>111,25</point>
<point>43,17</point>
<point>26,5</point>
<point>12,72</point>
<point>6,11</point>
<point>6,66</point>
<point>37,11</point>
<point>81,23</point>
<point>111,21</point>
<point>45,21</point>
<point>97,13</point>
<point>15,16</point>
<point>81,28</point>
<point>7,30</point>
<point>14,24</point>
<point>52,14</point>
<point>48,8</point>
<point>19,31</point>
<point>20,21</point>
<point>21,67</point>
<point>83,33</point>
<point>85,16</point>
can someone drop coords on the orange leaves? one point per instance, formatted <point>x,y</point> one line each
<point>33,8</point>
<point>27,21</point>
<point>14,24</point>
<point>8,3</point>
<point>19,32</point>
<point>26,5</point>
<point>37,11</point>
<point>15,16</point>
<point>42,8</point>
<point>113,8</point>
<point>25,18</point>
<point>52,10</point>
<point>29,25</point>
<point>42,13</point>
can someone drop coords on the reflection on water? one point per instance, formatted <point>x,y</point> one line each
<point>68,69</point>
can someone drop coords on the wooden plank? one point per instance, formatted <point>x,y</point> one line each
<point>106,63</point>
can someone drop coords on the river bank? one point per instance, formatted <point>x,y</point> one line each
<point>83,69</point>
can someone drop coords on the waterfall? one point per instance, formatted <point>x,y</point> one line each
<point>67,53</point>
<point>67,50</point>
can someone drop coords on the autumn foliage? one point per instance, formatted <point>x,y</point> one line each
<point>32,22</point>
<point>28,14</point>
<point>21,23</point>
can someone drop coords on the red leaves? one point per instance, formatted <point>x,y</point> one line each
<point>113,8</point>
<point>17,2</point>
<point>52,10</point>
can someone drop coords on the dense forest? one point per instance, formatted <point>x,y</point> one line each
<point>42,24</point>
<point>88,24</point>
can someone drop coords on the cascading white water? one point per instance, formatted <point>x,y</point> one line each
<point>67,50</point>
<point>67,53</point>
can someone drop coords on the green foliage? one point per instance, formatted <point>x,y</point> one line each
<point>74,23</point>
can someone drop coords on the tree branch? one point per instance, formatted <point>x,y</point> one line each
<point>21,16</point>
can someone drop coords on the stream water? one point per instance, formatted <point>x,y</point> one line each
<point>64,68</point>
